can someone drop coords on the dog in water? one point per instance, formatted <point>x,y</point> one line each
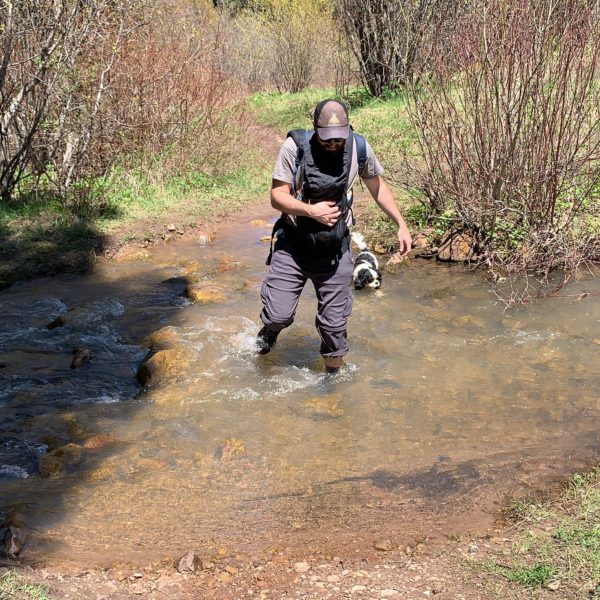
<point>366,266</point>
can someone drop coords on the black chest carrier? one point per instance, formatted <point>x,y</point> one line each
<point>320,176</point>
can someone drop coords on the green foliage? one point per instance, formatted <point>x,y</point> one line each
<point>15,587</point>
<point>536,575</point>
<point>556,539</point>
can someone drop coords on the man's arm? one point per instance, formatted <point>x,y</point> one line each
<point>385,200</point>
<point>282,199</point>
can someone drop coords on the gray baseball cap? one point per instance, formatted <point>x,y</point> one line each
<point>331,120</point>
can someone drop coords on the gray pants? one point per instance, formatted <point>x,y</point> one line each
<point>284,283</point>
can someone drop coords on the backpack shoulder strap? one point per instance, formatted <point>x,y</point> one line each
<point>301,138</point>
<point>361,151</point>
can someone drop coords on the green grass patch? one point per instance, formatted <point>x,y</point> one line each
<point>557,542</point>
<point>286,111</point>
<point>14,587</point>
<point>194,196</point>
<point>383,121</point>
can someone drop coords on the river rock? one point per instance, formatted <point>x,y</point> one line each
<point>14,540</point>
<point>395,262</point>
<point>204,293</point>
<point>100,440</point>
<point>190,268</point>
<point>58,322</point>
<point>260,223</point>
<point>58,461</point>
<point>127,254</point>
<point>163,338</point>
<point>456,248</point>
<point>330,406</point>
<point>231,448</point>
<point>81,356</point>
<point>189,563</point>
<point>162,365</point>
<point>204,238</point>
<point>228,264</point>
<point>420,242</point>
<point>384,545</point>
<point>301,567</point>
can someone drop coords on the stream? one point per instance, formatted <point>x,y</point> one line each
<point>449,404</point>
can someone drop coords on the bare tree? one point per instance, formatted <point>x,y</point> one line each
<point>55,65</point>
<point>388,37</point>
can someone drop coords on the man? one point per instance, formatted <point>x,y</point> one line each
<point>312,187</point>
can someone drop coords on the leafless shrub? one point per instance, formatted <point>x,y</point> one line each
<point>389,39</point>
<point>83,84</point>
<point>280,43</point>
<point>42,45</point>
<point>508,125</point>
<point>170,98</point>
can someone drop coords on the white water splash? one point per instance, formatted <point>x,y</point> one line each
<point>13,471</point>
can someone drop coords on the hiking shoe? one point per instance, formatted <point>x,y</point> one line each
<point>333,364</point>
<point>265,340</point>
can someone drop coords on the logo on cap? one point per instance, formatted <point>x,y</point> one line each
<point>334,121</point>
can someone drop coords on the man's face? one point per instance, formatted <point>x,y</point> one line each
<point>332,146</point>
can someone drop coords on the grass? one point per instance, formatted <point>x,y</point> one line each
<point>202,196</point>
<point>557,544</point>
<point>14,587</point>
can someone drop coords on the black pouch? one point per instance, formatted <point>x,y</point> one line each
<point>322,239</point>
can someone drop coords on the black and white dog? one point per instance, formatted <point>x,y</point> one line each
<point>366,267</point>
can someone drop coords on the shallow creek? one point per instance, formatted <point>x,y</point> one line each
<point>448,405</point>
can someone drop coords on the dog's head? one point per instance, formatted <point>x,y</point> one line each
<point>367,278</point>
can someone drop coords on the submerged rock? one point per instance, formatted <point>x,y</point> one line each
<point>231,448</point>
<point>228,264</point>
<point>58,322</point>
<point>260,223</point>
<point>204,238</point>
<point>325,406</point>
<point>81,356</point>
<point>204,293</point>
<point>58,461</point>
<point>100,440</point>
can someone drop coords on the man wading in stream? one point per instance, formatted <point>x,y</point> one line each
<point>312,187</point>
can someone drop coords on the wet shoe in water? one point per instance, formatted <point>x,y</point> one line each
<point>265,340</point>
<point>333,364</point>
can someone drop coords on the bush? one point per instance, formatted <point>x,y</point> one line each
<point>508,126</point>
<point>280,43</point>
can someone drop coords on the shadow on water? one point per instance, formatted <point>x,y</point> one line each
<point>56,413</point>
<point>451,403</point>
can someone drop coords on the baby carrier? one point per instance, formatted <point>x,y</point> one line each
<point>315,183</point>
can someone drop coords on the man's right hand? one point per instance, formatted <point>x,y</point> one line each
<point>326,212</point>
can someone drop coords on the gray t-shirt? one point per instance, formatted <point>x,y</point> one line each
<point>284,167</point>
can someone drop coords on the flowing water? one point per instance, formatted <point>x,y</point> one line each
<point>448,404</point>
